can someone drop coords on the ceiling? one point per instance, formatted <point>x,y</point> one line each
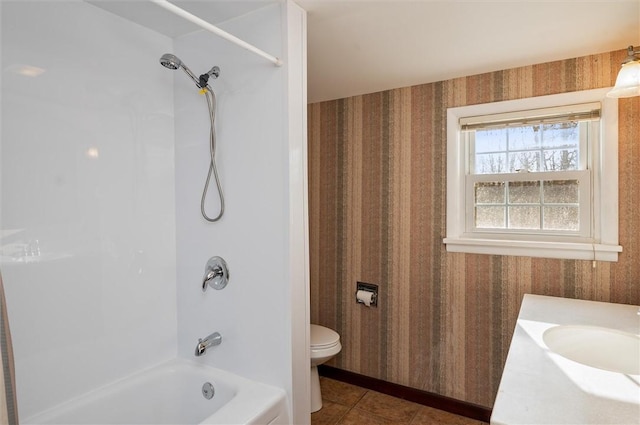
<point>357,47</point>
<point>360,46</point>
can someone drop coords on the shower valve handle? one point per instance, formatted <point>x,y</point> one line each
<point>216,274</point>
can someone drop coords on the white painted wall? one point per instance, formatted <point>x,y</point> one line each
<point>99,302</point>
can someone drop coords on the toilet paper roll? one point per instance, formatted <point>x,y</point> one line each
<point>365,297</point>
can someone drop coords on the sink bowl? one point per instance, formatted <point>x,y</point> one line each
<point>603,348</point>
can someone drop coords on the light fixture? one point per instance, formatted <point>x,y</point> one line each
<point>628,81</point>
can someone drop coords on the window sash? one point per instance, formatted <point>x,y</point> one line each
<point>587,130</point>
<point>584,178</point>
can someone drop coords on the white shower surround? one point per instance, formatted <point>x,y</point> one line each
<point>171,393</point>
<point>257,165</point>
<point>117,286</point>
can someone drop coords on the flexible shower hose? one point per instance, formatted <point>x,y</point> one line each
<point>211,103</point>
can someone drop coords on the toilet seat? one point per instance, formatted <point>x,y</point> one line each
<point>323,338</point>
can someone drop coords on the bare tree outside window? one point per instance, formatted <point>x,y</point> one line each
<point>544,204</point>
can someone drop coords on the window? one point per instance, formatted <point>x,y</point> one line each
<point>531,173</point>
<point>534,177</point>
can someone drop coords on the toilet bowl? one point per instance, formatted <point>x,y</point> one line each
<point>325,343</point>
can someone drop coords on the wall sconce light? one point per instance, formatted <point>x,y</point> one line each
<point>628,81</point>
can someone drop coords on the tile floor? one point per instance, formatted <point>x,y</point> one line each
<point>346,404</point>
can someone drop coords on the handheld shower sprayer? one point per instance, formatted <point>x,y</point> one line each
<point>172,62</point>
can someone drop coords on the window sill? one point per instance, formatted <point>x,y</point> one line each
<point>564,250</point>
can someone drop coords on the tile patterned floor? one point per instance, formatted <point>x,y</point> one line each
<point>346,404</point>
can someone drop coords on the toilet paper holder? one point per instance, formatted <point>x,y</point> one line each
<point>368,287</point>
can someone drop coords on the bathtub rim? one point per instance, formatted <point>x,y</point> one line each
<point>253,402</point>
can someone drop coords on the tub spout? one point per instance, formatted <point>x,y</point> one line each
<point>210,341</point>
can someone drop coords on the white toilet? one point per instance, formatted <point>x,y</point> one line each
<point>325,343</point>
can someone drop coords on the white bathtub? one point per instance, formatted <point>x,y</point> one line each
<point>171,393</point>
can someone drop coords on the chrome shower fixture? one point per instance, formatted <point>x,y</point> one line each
<point>172,62</point>
<point>210,341</point>
<point>204,78</point>
<point>216,274</point>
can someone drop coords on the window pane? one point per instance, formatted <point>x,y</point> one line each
<point>491,163</point>
<point>561,135</point>
<point>521,138</point>
<point>560,192</point>
<point>560,159</point>
<point>490,217</point>
<point>524,161</point>
<point>489,192</point>
<point>561,218</point>
<point>491,140</point>
<point>524,217</point>
<point>524,192</point>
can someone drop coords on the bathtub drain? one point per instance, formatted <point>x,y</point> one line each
<point>208,391</point>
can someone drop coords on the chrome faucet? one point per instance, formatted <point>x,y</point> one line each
<point>210,341</point>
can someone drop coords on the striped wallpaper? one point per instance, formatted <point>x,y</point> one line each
<point>377,168</point>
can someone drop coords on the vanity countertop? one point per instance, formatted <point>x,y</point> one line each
<point>541,387</point>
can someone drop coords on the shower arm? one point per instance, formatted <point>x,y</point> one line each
<point>204,78</point>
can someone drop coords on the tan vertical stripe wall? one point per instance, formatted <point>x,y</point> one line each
<point>377,167</point>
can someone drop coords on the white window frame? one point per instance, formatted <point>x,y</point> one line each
<point>602,246</point>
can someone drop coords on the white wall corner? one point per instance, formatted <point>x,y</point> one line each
<point>295,63</point>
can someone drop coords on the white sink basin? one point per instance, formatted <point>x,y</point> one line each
<point>603,348</point>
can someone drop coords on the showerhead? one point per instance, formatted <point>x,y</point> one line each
<point>170,61</point>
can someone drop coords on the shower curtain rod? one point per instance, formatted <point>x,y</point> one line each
<point>212,28</point>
